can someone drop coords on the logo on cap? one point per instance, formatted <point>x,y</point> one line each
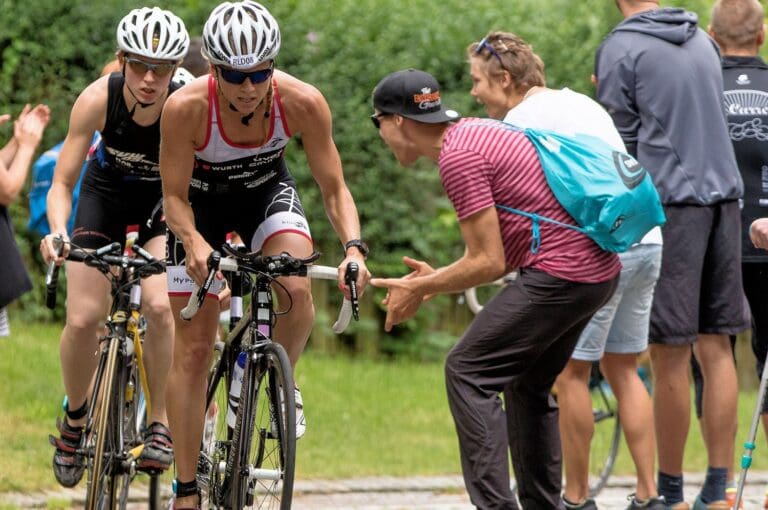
<point>427,100</point>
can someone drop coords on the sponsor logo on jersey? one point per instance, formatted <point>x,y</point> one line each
<point>746,102</point>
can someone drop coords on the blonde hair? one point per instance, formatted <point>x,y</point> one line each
<point>737,23</point>
<point>512,54</point>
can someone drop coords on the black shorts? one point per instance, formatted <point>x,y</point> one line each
<point>700,287</point>
<point>102,218</point>
<point>256,217</point>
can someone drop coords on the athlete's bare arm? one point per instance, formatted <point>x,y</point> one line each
<point>88,115</point>
<point>182,128</point>
<point>308,114</point>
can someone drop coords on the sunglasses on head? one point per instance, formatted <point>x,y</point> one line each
<point>238,77</point>
<point>485,45</point>
<point>376,116</point>
<point>141,67</point>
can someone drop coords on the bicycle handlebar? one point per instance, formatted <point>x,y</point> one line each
<point>102,259</point>
<point>274,266</point>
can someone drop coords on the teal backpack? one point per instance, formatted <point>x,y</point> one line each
<point>608,193</point>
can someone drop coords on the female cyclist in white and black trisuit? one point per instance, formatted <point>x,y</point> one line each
<point>221,161</point>
<point>121,188</point>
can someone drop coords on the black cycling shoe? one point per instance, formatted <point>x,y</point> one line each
<point>157,454</point>
<point>68,466</point>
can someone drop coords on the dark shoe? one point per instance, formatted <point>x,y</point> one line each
<point>157,454</point>
<point>587,504</point>
<point>68,466</point>
<point>654,503</point>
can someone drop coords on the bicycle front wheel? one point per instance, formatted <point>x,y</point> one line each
<point>265,453</point>
<point>100,493</point>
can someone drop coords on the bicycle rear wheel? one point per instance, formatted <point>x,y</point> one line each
<point>265,455</point>
<point>100,494</point>
<point>605,442</point>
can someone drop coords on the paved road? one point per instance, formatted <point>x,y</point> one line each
<point>419,493</point>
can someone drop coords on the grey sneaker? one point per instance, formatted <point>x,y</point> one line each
<point>587,504</point>
<point>68,465</point>
<point>654,503</point>
<point>301,421</point>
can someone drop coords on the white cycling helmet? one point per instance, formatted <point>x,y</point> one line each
<point>240,35</point>
<point>182,76</point>
<point>153,33</point>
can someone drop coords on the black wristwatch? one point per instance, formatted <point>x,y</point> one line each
<point>359,244</point>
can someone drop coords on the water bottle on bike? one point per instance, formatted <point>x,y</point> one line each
<point>234,389</point>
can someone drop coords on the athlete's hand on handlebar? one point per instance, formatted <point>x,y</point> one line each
<point>54,248</point>
<point>363,275</point>
<point>197,255</point>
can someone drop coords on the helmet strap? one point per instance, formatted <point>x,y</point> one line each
<point>137,103</point>
<point>246,119</point>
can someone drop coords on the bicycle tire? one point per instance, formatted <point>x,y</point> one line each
<point>605,442</point>
<point>100,490</point>
<point>129,410</point>
<point>265,434</point>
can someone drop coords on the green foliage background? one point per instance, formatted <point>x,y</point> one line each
<point>50,50</point>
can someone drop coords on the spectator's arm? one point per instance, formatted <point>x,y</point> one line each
<point>28,131</point>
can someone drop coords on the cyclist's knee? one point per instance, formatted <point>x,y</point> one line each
<point>82,324</point>
<point>157,311</point>
<point>295,291</point>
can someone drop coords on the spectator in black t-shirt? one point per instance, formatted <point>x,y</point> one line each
<point>737,27</point>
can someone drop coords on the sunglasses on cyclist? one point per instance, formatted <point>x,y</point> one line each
<point>141,67</point>
<point>375,119</point>
<point>238,77</point>
<point>485,45</point>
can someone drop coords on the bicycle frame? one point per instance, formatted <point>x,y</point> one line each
<point>243,460</point>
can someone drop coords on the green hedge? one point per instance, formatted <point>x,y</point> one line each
<point>49,50</point>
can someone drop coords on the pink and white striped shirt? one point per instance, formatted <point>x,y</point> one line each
<point>482,163</point>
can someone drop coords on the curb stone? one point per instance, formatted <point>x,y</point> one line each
<point>372,489</point>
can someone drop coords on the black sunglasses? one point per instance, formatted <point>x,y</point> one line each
<point>485,45</point>
<point>141,67</point>
<point>376,116</point>
<point>238,77</point>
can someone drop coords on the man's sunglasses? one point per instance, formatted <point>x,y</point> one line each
<point>485,45</point>
<point>141,67</point>
<point>238,77</point>
<point>375,119</point>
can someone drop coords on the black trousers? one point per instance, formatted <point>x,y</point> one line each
<point>517,345</point>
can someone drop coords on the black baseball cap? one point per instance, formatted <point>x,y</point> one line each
<point>413,94</point>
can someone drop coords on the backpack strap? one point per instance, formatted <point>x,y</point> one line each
<point>535,228</point>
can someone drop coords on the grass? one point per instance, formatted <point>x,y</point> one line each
<point>366,418</point>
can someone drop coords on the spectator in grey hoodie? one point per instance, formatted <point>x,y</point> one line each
<point>659,77</point>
